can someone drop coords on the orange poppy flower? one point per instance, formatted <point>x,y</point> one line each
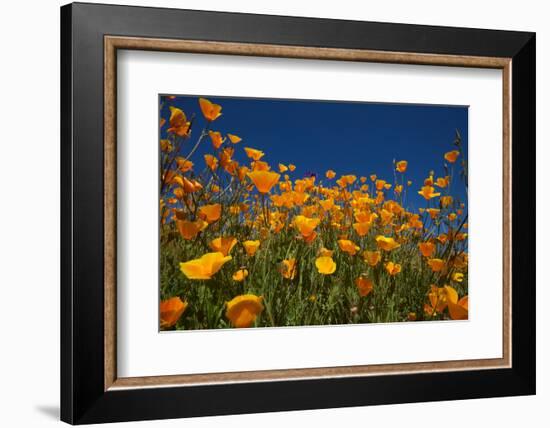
<point>426,248</point>
<point>393,268</point>
<point>211,162</point>
<point>452,156</point>
<point>372,257</point>
<point>189,229</point>
<point>458,309</point>
<point>178,122</point>
<point>433,212</point>
<point>240,275</point>
<point>289,268</point>
<point>254,154</point>
<point>445,201</point>
<point>386,244</point>
<point>437,265</point>
<point>364,286</point>
<point>325,265</point>
<point>428,192</point>
<point>283,168</point>
<point>348,246</point>
<point>234,138</point>
<point>210,110</point>
<point>264,180</point>
<point>171,311</point>
<point>380,184</point>
<point>291,167</point>
<point>217,139</point>
<point>184,165</point>
<point>401,166</point>
<point>324,252</point>
<point>223,244</point>
<point>251,247</point>
<point>305,225</point>
<point>243,310</point>
<point>373,177</point>
<point>442,182</point>
<point>362,228</point>
<point>330,174</point>
<point>327,204</point>
<point>204,267</point>
<point>210,213</point>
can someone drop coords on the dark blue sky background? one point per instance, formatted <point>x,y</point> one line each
<point>348,137</point>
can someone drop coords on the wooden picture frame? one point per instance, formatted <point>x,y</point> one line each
<point>91,390</point>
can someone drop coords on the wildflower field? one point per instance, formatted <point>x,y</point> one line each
<point>247,240</point>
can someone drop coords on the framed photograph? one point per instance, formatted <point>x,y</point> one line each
<point>266,213</point>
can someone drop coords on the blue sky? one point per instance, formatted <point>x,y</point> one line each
<point>348,137</point>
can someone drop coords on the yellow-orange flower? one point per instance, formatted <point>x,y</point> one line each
<point>240,275</point>
<point>210,110</point>
<point>178,122</point>
<point>362,228</point>
<point>437,265</point>
<point>184,165</point>
<point>380,184</point>
<point>458,309</point>
<point>427,248</point>
<point>458,277</point>
<point>325,252</point>
<point>243,310</point>
<point>428,192</point>
<point>327,204</point>
<point>442,182</point>
<point>216,138</point>
<point>386,243</point>
<point>330,174</point>
<point>364,286</point>
<point>234,138</point>
<point>393,268</point>
<point>305,225</point>
<point>372,257</point>
<point>223,244</point>
<point>348,246</point>
<point>264,180</point>
<point>211,162</point>
<point>204,267</point>
<point>210,213</point>
<point>452,156</point>
<point>171,311</point>
<point>289,268</point>
<point>325,265</point>
<point>401,166</point>
<point>254,154</point>
<point>283,168</point>
<point>251,247</point>
<point>445,201</point>
<point>291,167</point>
<point>189,229</point>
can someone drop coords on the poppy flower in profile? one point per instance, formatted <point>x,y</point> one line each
<point>325,252</point>
<point>178,122</point>
<point>330,174</point>
<point>189,229</point>
<point>211,162</point>
<point>254,154</point>
<point>445,201</point>
<point>452,156</point>
<point>373,177</point>
<point>305,225</point>
<point>264,180</point>
<point>393,268</point>
<point>210,110</point>
<point>380,184</point>
<point>362,228</point>
<point>204,267</point>
<point>364,286</point>
<point>433,212</point>
<point>348,246</point>
<point>234,138</point>
<point>288,268</point>
<point>442,181</point>
<point>216,138</point>
<point>210,213</point>
<point>458,309</point>
<point>386,243</point>
<point>427,248</point>
<point>325,265</point>
<point>458,277</point>
<point>372,257</point>
<point>291,167</point>
<point>251,247</point>
<point>327,204</point>
<point>428,192</point>
<point>243,310</point>
<point>401,166</point>
<point>240,275</point>
<point>438,301</point>
<point>283,168</point>
<point>437,265</point>
<point>184,165</point>
<point>223,244</point>
<point>171,311</point>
